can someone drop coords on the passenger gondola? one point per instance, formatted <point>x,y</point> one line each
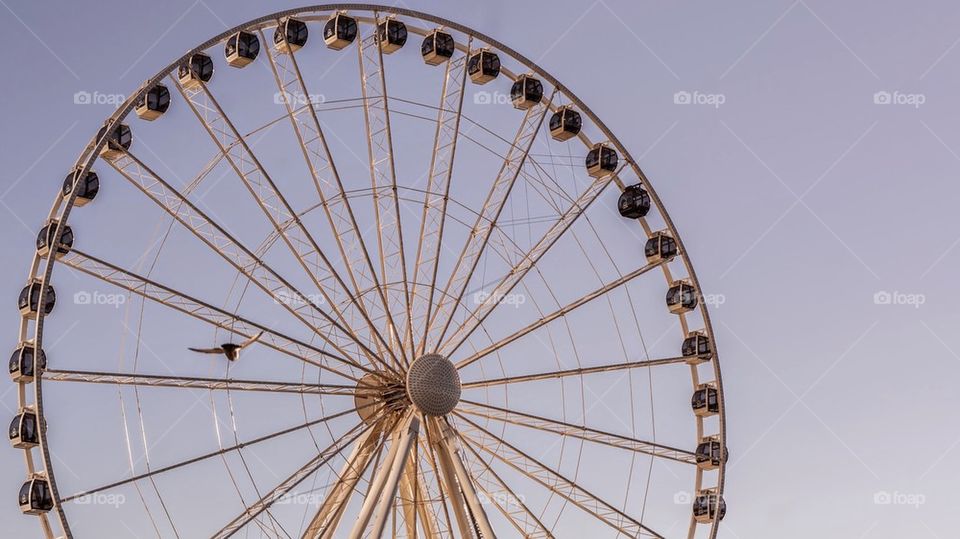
<point>392,35</point>
<point>681,297</point>
<point>526,92</point>
<point>483,66</point>
<point>29,300</point>
<point>565,124</point>
<point>35,495</point>
<point>153,103</point>
<point>196,70</point>
<point>118,141</point>
<point>26,363</point>
<point>24,431</point>
<point>340,31</point>
<point>437,47</point>
<point>46,238</point>
<point>601,161</point>
<point>241,49</point>
<point>707,507</point>
<point>660,247</point>
<point>705,400</point>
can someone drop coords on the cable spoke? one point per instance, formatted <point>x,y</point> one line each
<point>240,257</point>
<point>438,189</point>
<point>576,372</point>
<point>149,380</point>
<point>562,428</point>
<point>217,317</point>
<point>553,480</point>
<point>211,454</point>
<point>527,261</point>
<point>292,481</point>
<point>277,209</point>
<point>563,311</point>
<point>486,221</point>
<point>326,178</point>
<point>383,176</point>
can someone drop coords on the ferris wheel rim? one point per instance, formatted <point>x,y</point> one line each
<point>62,207</point>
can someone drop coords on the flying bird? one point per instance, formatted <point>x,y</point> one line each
<point>230,350</point>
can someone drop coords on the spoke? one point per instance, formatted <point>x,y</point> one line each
<point>326,179</point>
<point>438,189</point>
<point>220,318</point>
<point>562,428</point>
<point>331,510</point>
<point>486,221</point>
<point>511,505</point>
<point>277,209</point>
<point>240,257</point>
<point>211,454</point>
<point>149,380</point>
<point>553,481</point>
<point>383,175</point>
<point>526,262</point>
<point>576,372</point>
<point>563,311</point>
<point>291,482</point>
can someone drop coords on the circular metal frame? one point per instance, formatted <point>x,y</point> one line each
<point>31,327</point>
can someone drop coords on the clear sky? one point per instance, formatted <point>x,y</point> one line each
<point>812,176</point>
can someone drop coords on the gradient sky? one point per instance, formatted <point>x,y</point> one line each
<point>801,197</point>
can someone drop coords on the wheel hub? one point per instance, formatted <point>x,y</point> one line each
<point>433,385</point>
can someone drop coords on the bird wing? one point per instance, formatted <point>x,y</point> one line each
<point>208,350</point>
<point>252,340</point>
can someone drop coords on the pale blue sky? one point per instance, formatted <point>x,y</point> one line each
<point>800,197</point>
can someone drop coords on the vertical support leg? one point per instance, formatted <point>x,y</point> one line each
<point>450,486</point>
<point>407,438</point>
<point>331,510</point>
<point>450,444</point>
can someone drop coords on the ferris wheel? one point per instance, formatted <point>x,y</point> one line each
<point>346,289</point>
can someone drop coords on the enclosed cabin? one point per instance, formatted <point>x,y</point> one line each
<point>35,495</point>
<point>565,124</point>
<point>391,35</point>
<point>526,92</point>
<point>681,297</point>
<point>26,362</point>
<point>119,139</point>
<point>696,347</point>
<point>291,35</point>
<point>483,66</point>
<point>241,49</point>
<point>340,31</point>
<point>708,506</point>
<point>705,400</point>
<point>24,431</point>
<point>710,454</point>
<point>601,161</point>
<point>30,297</point>
<point>153,103</point>
<point>634,202</point>
<point>47,238</point>
<point>660,247</point>
<point>437,47</point>
<point>86,186</point>
<point>195,71</point>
